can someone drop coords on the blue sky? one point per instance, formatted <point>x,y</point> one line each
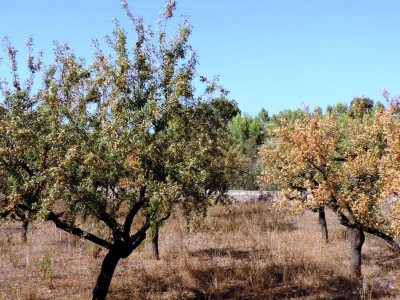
<point>271,54</point>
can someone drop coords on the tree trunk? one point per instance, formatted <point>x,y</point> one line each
<point>322,222</point>
<point>357,238</point>
<point>24,234</point>
<point>110,261</point>
<point>154,242</point>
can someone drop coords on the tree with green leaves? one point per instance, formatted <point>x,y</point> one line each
<point>340,108</point>
<point>227,109</point>
<point>247,134</point>
<point>25,142</point>
<point>123,140</point>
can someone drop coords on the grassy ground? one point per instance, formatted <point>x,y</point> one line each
<point>245,251</point>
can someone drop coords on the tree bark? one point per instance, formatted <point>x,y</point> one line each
<point>322,222</point>
<point>108,266</point>
<point>24,234</point>
<point>357,238</point>
<point>154,241</point>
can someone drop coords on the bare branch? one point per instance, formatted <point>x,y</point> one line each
<point>77,231</point>
<point>134,210</point>
<point>108,220</point>
<point>140,235</point>
<point>163,219</point>
<point>385,237</point>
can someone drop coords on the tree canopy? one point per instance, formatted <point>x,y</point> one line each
<point>123,139</point>
<point>342,162</point>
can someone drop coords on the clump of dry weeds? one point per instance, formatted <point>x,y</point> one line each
<point>242,251</point>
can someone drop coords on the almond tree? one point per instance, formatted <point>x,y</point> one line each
<point>221,170</point>
<point>335,161</point>
<point>390,164</point>
<point>279,158</point>
<point>123,140</point>
<point>25,141</point>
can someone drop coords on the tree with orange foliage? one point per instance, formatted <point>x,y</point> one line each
<point>335,161</point>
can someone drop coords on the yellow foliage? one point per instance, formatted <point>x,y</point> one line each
<point>351,164</point>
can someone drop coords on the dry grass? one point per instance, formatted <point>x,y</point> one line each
<point>246,251</point>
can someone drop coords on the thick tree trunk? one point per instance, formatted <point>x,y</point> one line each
<point>106,273</point>
<point>154,241</point>
<point>322,222</point>
<point>357,238</point>
<point>24,234</point>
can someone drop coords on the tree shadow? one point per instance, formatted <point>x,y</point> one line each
<point>248,275</point>
<point>144,286</point>
<point>226,252</point>
<point>276,282</point>
<point>334,288</point>
<point>389,260</point>
<point>280,226</point>
<point>209,281</point>
<point>275,287</point>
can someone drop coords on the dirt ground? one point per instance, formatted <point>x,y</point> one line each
<point>243,251</point>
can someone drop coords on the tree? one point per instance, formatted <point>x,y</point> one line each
<point>227,109</point>
<point>379,105</point>
<point>339,108</point>
<point>221,167</point>
<point>288,115</point>
<point>247,134</point>
<point>360,105</point>
<point>263,115</point>
<point>335,161</point>
<point>330,109</point>
<point>25,142</point>
<point>282,169</point>
<point>390,163</point>
<point>318,110</point>
<point>123,140</point>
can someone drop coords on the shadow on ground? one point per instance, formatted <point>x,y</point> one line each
<point>215,282</point>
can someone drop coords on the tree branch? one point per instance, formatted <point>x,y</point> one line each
<point>140,235</point>
<point>341,159</point>
<point>26,168</point>
<point>319,169</point>
<point>5,214</point>
<point>77,231</point>
<point>163,219</point>
<point>21,164</point>
<point>134,210</point>
<point>346,222</point>
<point>100,212</point>
<point>342,217</point>
<point>385,237</point>
<point>108,220</point>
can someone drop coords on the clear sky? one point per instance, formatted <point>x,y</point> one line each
<point>271,54</point>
